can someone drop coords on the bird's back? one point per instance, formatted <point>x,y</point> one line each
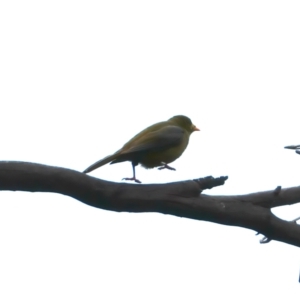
<point>136,139</point>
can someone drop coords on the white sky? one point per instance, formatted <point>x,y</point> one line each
<point>79,78</point>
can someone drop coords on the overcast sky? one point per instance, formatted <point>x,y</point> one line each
<point>80,78</point>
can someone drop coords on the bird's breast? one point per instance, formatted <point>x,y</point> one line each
<point>156,158</point>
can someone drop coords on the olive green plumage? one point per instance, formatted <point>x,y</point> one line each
<point>155,146</point>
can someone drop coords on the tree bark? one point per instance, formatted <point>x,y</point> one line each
<point>182,199</point>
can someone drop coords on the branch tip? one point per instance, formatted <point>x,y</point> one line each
<point>292,147</point>
<point>210,182</point>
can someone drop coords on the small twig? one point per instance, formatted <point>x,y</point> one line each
<point>277,191</point>
<point>292,147</point>
<point>265,240</point>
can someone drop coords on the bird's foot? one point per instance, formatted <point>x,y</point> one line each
<point>165,166</point>
<point>132,178</point>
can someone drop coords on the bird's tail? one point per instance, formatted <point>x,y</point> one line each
<point>100,163</point>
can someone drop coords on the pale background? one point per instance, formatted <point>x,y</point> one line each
<point>79,78</point>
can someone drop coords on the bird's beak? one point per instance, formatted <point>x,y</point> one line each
<point>194,128</point>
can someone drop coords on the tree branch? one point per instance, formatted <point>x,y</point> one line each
<point>182,199</point>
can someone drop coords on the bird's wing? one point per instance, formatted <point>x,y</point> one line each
<point>166,137</point>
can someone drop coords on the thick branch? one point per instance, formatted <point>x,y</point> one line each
<point>183,199</point>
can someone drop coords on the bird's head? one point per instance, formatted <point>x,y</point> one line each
<point>185,123</point>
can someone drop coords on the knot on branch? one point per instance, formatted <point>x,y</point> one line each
<point>210,182</point>
<point>277,191</point>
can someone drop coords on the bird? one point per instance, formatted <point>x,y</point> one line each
<point>156,146</point>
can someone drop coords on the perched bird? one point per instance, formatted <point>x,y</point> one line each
<point>155,146</point>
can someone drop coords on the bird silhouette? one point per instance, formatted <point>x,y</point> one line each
<point>156,146</point>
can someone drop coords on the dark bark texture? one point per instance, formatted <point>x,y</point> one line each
<point>182,199</point>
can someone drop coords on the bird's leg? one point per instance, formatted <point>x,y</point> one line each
<point>166,166</point>
<point>133,178</point>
